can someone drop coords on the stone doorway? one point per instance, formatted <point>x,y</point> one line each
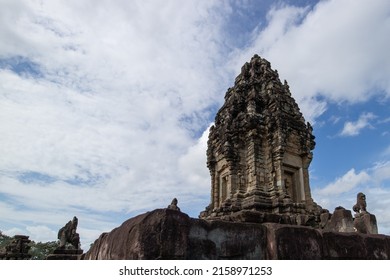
<point>223,188</point>
<point>292,183</point>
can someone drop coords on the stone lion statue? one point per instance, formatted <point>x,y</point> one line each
<point>173,205</point>
<point>361,204</point>
<point>68,234</point>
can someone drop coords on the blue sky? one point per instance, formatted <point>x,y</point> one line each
<point>105,106</point>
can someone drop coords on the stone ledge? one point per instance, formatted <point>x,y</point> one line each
<point>68,252</point>
<point>63,257</point>
<point>65,254</point>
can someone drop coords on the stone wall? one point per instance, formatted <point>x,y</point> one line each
<point>169,234</point>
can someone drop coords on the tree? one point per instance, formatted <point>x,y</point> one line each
<point>40,250</point>
<point>4,240</point>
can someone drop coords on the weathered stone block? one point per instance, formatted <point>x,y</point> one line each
<point>160,234</point>
<point>250,216</point>
<point>366,223</point>
<point>324,219</point>
<point>65,254</point>
<point>344,246</point>
<point>202,249</point>
<point>17,249</point>
<point>287,242</point>
<point>68,251</point>
<point>227,240</point>
<point>341,221</point>
<point>64,257</point>
<point>377,247</point>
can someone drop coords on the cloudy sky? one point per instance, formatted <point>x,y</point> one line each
<point>105,105</point>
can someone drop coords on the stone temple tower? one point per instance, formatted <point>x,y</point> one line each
<point>259,152</point>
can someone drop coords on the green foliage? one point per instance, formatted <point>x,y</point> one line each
<point>40,250</point>
<point>4,241</point>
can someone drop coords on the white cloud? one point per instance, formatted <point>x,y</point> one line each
<point>13,231</point>
<point>112,105</point>
<point>354,128</point>
<point>102,126</point>
<point>193,164</point>
<point>41,233</point>
<point>381,172</point>
<point>384,121</point>
<point>347,182</point>
<point>326,51</point>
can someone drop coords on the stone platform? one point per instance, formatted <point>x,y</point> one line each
<point>169,234</point>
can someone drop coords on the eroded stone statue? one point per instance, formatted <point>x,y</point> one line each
<point>173,205</point>
<point>361,204</point>
<point>68,234</point>
<point>364,222</point>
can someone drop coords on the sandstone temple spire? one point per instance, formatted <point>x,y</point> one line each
<point>259,152</point>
